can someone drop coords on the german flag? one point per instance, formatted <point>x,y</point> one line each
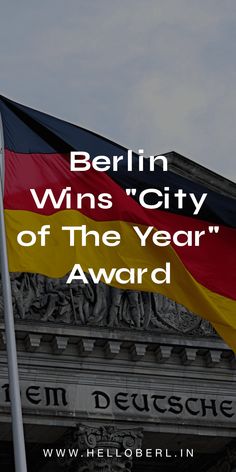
<point>37,156</point>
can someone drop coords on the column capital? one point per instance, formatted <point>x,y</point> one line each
<point>103,448</point>
<point>108,437</point>
<point>227,462</point>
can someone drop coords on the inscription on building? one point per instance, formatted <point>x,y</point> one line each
<point>174,404</point>
<point>35,394</point>
<point>79,400</point>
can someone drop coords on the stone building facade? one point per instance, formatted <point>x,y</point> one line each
<point>119,372</point>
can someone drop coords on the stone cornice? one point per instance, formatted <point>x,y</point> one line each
<point>117,344</point>
<point>186,167</point>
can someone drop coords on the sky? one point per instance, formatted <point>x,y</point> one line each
<point>153,74</point>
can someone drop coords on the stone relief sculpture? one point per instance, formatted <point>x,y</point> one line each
<point>39,298</point>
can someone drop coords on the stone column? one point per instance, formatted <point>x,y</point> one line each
<point>103,449</point>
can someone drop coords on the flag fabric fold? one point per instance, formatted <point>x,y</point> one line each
<point>37,155</point>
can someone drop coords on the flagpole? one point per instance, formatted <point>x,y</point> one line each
<point>14,385</point>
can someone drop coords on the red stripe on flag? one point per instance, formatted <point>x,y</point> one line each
<point>212,263</point>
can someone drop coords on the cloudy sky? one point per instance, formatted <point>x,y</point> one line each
<point>155,74</point>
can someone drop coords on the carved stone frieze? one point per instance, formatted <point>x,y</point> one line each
<point>39,298</point>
